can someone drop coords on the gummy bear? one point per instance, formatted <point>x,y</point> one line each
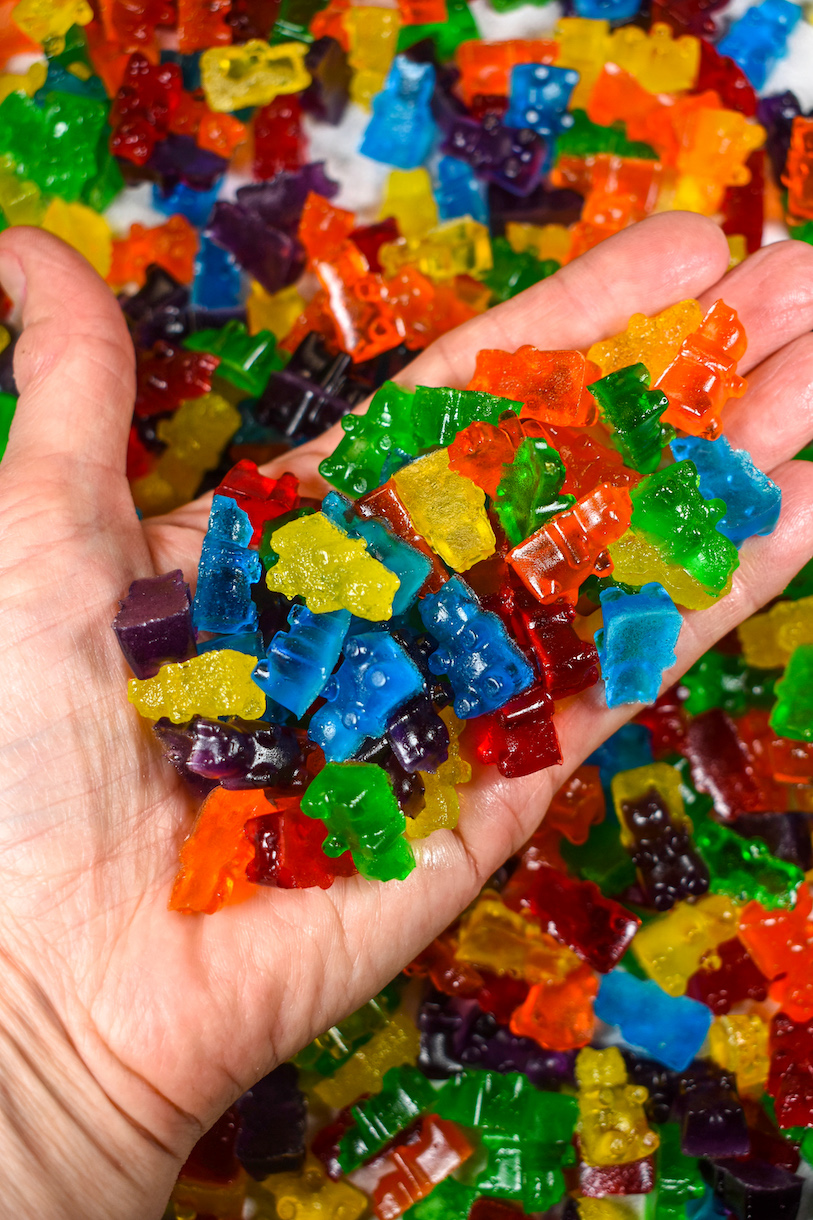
<point>702,376</point>
<point>226,572</point>
<point>447,510</point>
<point>356,803</point>
<point>637,642</point>
<point>218,683</point>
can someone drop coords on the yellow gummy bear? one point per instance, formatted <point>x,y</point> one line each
<point>507,942</point>
<point>631,786</point>
<point>637,562</point>
<point>441,805</point>
<point>398,1042</point>
<point>373,35</point>
<point>319,562</point>
<point>715,145</point>
<point>21,200</point>
<point>84,229</point>
<point>651,341</point>
<point>196,436</point>
<point>216,683</point>
<point>738,1042</point>
<point>671,948</point>
<point>28,83</point>
<point>5,338</point>
<point>276,311</point>
<point>408,196</point>
<point>48,21</point>
<point>584,44</point>
<point>606,1209</point>
<point>737,249</point>
<point>543,241</point>
<point>252,74</point>
<point>456,247</point>
<point>659,62</point>
<point>613,1127</point>
<point>447,509</point>
<point>310,1195</point>
<point>769,639</point>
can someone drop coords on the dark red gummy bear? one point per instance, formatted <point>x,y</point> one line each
<point>288,850</point>
<point>168,375</point>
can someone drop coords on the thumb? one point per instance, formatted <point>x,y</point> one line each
<point>74,362</point>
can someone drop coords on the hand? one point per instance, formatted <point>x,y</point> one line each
<point>126,1029</point>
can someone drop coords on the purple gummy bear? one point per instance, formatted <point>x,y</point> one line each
<point>272,258</point>
<point>712,1120</point>
<point>776,114</point>
<point>176,747</point>
<point>178,159</point>
<point>314,390</point>
<point>544,205</point>
<point>328,94</point>
<point>159,310</point>
<point>266,757</point>
<point>786,834</point>
<point>417,735</point>
<point>754,1189</point>
<point>279,202</point>
<point>154,623</point>
<point>272,1131</point>
<point>510,157</point>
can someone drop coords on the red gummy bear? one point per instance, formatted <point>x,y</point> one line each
<point>261,498</point>
<point>167,375</point>
<point>143,108</point>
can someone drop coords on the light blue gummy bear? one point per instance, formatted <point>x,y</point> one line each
<point>759,39</point>
<point>218,282</point>
<point>540,94</point>
<point>608,10</point>
<point>668,1028</point>
<point>483,664</point>
<point>409,565</point>
<point>299,662</point>
<point>753,501</point>
<point>402,130</point>
<point>375,678</point>
<point>226,572</point>
<point>637,642</point>
<point>458,191</point>
<point>194,205</point>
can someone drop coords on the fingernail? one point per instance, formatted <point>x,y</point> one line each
<point>12,278</point>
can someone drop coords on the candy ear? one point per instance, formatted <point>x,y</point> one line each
<point>74,363</point>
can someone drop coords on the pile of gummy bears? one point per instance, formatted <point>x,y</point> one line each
<point>621,1024</point>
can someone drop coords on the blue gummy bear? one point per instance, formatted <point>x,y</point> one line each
<point>459,192</point>
<point>226,572</point>
<point>194,205</point>
<point>668,1028</point>
<point>483,664</point>
<point>218,282</point>
<point>637,642</point>
<point>409,565</point>
<point>707,1208</point>
<point>753,501</point>
<point>248,642</point>
<point>759,39</point>
<point>375,679</point>
<point>608,10</point>
<point>300,661</point>
<point>402,130</point>
<point>540,95</point>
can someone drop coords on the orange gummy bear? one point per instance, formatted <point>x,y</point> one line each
<point>324,228</point>
<point>485,67</point>
<point>703,375</point>
<point>781,944</point>
<point>172,245</point>
<point>215,854</point>
<point>550,385</point>
<point>481,450</point>
<point>203,25</point>
<point>558,558</point>
<point>798,175</point>
<point>558,1013</point>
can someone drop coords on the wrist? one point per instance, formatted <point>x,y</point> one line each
<point>69,1148</point>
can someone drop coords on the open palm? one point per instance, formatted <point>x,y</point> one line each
<point>135,1026</point>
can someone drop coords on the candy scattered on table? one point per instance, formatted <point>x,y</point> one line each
<point>622,1022</point>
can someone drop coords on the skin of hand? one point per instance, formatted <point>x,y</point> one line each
<point>126,1029</point>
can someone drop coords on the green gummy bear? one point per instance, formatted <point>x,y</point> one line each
<point>724,680</point>
<point>293,20</point>
<point>450,1199</point>
<point>528,492</point>
<point>678,1178</point>
<point>459,26</point>
<point>440,413</point>
<point>247,361</point>
<point>802,583</point>
<point>513,272</point>
<point>803,232</point>
<point>55,145</point>
<point>745,870</point>
<point>586,138</point>
<point>633,412</point>
<point>8,405</point>
<point>670,512</point>
<point>99,192</point>
<point>357,463</point>
<point>509,1102</point>
<point>520,1168</point>
<point>335,1046</point>
<point>601,859</point>
<point>405,1094</point>
<point>792,715</point>
<point>357,805</point>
